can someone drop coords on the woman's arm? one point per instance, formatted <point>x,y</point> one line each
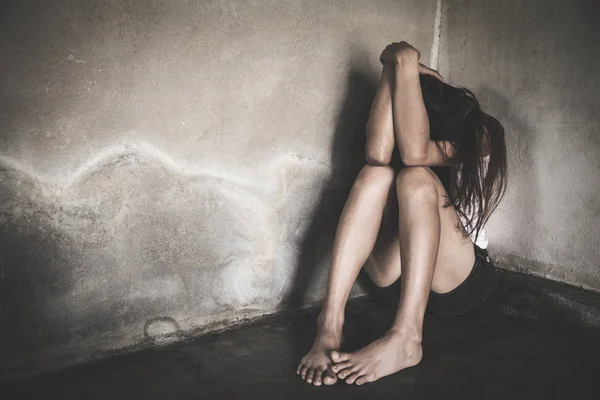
<point>380,126</point>
<point>411,124</point>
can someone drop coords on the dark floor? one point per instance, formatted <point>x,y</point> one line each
<point>487,355</point>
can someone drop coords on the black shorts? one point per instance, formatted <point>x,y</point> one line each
<point>468,296</point>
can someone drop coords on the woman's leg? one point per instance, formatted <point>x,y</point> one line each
<point>431,240</point>
<point>356,233</point>
<point>354,240</point>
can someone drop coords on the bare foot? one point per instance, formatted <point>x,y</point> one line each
<point>385,356</point>
<point>315,366</point>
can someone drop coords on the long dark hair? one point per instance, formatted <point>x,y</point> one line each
<point>456,116</point>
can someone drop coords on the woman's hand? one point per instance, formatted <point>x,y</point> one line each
<point>397,50</point>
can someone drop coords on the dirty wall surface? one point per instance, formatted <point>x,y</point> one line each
<point>535,65</point>
<point>171,167</point>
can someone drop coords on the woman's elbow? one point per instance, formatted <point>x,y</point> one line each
<point>378,157</point>
<point>413,159</point>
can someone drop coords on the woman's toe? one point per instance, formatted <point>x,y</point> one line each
<point>341,366</point>
<point>329,378</point>
<point>346,372</point>
<point>362,380</point>
<point>350,379</point>
<point>317,379</point>
<point>339,357</point>
<point>303,372</point>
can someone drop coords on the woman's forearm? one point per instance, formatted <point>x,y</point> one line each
<point>411,125</point>
<point>380,126</point>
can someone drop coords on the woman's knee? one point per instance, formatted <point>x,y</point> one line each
<point>420,181</point>
<point>381,277</point>
<point>376,175</point>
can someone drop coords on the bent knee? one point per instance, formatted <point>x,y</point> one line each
<point>379,175</point>
<point>381,279</point>
<point>417,180</point>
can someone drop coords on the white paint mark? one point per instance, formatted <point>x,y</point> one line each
<point>310,160</point>
<point>437,31</point>
<point>248,193</point>
<point>108,155</point>
<point>148,151</point>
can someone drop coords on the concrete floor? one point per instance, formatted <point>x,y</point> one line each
<point>486,355</point>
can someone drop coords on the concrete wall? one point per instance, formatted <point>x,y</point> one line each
<point>174,166</point>
<point>536,66</point>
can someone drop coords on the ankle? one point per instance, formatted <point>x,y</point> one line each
<point>330,320</point>
<point>407,333</point>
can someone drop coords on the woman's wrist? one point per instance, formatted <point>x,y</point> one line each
<point>406,68</point>
<point>408,58</point>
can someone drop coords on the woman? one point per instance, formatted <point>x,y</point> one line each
<point>417,233</point>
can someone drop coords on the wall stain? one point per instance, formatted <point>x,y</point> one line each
<point>161,327</point>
